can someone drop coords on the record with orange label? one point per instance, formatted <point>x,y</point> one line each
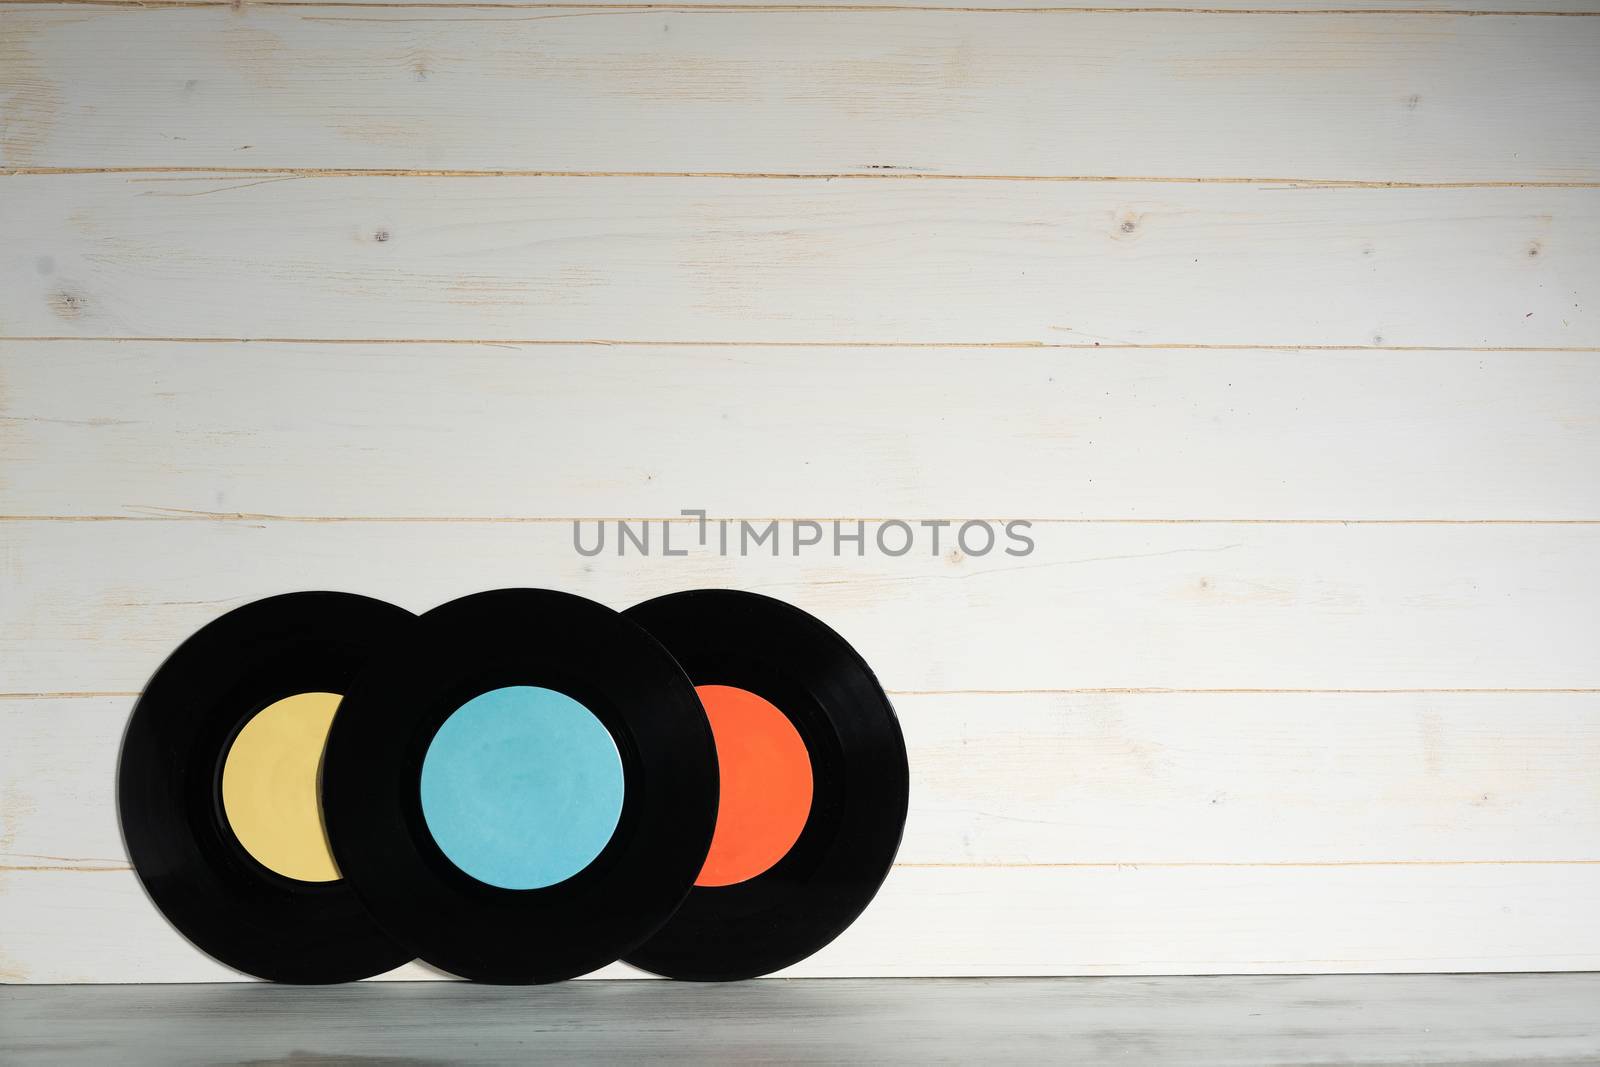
<point>814,785</point>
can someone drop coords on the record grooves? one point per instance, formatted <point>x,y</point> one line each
<point>518,786</point>
<point>194,866</point>
<point>584,842</point>
<point>859,785</point>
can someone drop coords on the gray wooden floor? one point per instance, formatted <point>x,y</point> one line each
<point>1534,1018</point>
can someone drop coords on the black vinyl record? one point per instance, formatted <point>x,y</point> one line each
<point>490,643</point>
<point>860,785</point>
<point>170,780</point>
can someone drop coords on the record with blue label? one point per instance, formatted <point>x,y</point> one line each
<point>523,788</point>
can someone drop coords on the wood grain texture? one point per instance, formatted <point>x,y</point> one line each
<point>1245,277</point>
<point>69,926</point>
<point>96,606</point>
<point>1170,8</point>
<point>1077,780</point>
<point>639,259</point>
<point>1458,1019</point>
<point>153,428</point>
<point>1335,98</point>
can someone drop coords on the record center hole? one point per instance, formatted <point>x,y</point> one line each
<point>269,787</point>
<point>766,785</point>
<point>522,787</point>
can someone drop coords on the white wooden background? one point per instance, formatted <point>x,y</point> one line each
<point>1278,317</point>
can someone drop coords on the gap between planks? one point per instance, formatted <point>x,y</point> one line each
<point>603,342</point>
<point>110,867</point>
<point>624,8</point>
<point>1094,691</point>
<point>182,515</point>
<point>886,173</point>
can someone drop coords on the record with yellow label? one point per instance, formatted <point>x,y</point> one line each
<point>218,787</point>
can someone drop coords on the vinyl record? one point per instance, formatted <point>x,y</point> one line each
<point>814,785</point>
<point>523,789</point>
<point>217,788</point>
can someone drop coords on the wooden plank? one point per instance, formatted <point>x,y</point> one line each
<point>74,926</point>
<point>1323,97</point>
<point>640,259</point>
<point>96,606</point>
<point>138,428</point>
<point>1239,1021</point>
<point>1075,779</point>
<point>1170,8</point>
<point>1207,920</point>
<point>1277,778</point>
